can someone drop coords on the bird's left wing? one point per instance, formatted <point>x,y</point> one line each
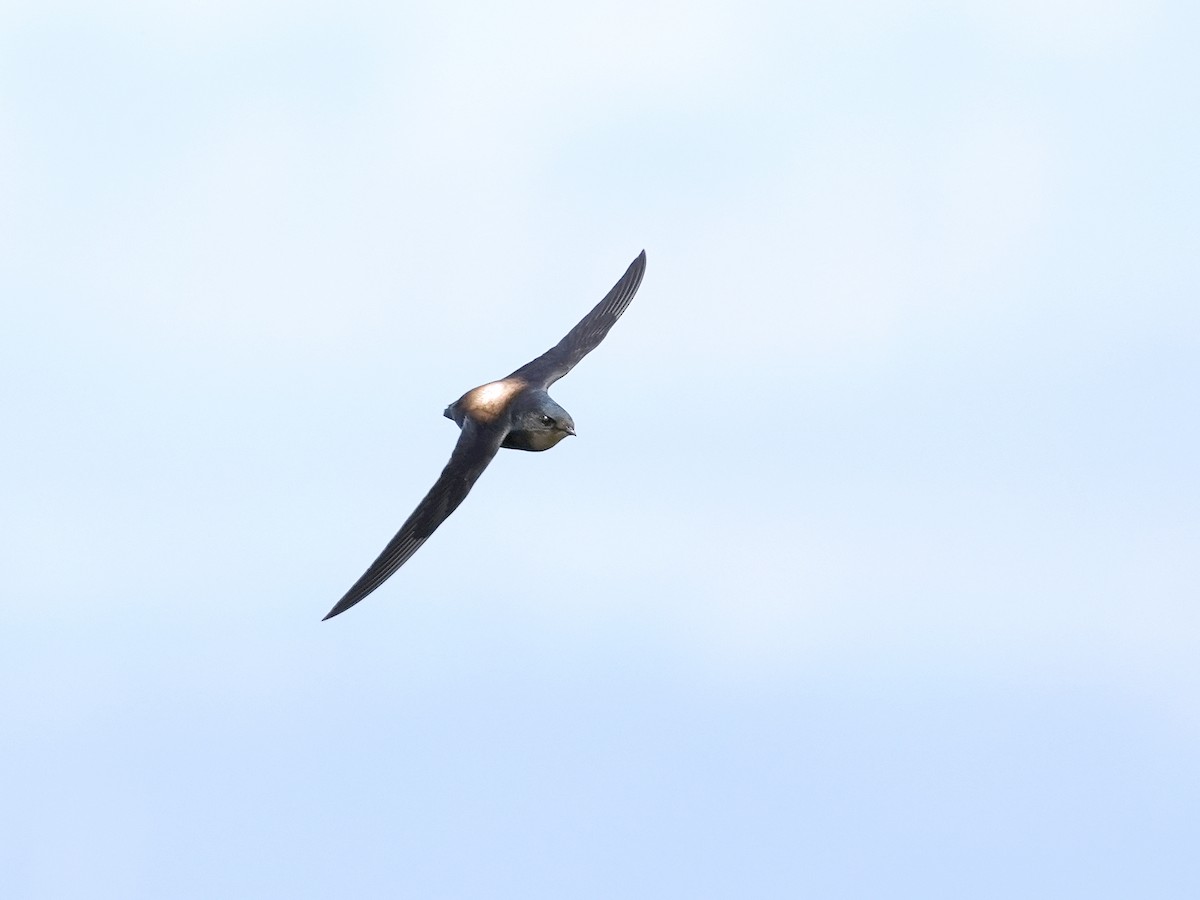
<point>475,448</point>
<point>587,335</point>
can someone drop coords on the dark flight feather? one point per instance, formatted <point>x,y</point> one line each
<point>475,448</point>
<point>587,335</point>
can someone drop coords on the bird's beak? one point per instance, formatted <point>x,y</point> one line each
<point>570,430</point>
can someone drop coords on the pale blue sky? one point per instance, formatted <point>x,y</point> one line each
<point>875,569</point>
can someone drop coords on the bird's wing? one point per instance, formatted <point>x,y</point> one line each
<point>475,448</point>
<point>587,335</point>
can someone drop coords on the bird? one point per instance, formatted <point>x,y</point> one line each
<point>515,412</point>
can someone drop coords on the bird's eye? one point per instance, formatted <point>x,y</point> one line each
<point>547,420</point>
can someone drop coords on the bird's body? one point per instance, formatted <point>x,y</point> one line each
<point>514,413</point>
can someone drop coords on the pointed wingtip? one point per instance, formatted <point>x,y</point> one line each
<point>637,267</point>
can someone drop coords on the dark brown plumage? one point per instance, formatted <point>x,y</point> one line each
<point>514,412</point>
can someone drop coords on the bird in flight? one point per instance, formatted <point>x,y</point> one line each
<point>514,412</point>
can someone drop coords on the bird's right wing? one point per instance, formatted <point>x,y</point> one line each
<point>475,448</point>
<point>587,335</point>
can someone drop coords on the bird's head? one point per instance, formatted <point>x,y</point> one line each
<point>542,422</point>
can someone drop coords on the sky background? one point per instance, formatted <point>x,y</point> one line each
<point>874,571</point>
